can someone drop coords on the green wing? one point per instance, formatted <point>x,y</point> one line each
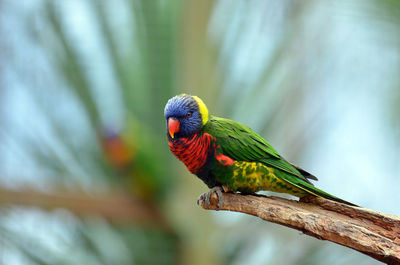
<point>241,143</point>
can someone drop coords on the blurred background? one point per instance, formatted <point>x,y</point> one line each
<point>86,176</point>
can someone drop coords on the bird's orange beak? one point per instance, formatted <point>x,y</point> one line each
<point>173,126</point>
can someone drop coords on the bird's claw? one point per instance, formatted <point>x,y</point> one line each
<point>205,197</point>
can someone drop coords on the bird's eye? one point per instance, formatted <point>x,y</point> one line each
<point>189,115</point>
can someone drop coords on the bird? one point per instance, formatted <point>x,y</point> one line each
<point>228,156</point>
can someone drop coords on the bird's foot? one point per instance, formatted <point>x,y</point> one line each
<point>204,199</point>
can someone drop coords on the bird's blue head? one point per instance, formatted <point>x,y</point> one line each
<point>185,115</point>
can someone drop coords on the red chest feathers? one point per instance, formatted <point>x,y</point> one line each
<point>193,151</point>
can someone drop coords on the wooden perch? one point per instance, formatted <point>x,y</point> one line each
<point>372,233</point>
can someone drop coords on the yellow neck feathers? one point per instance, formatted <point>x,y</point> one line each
<point>202,108</point>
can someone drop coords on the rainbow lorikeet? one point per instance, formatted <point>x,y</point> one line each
<point>229,155</point>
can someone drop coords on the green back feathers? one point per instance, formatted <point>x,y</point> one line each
<point>241,143</point>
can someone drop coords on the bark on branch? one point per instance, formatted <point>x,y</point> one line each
<point>372,233</point>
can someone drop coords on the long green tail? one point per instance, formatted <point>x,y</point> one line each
<point>309,188</point>
<point>323,194</point>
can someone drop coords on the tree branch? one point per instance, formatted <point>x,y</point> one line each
<point>372,233</point>
<point>116,207</point>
